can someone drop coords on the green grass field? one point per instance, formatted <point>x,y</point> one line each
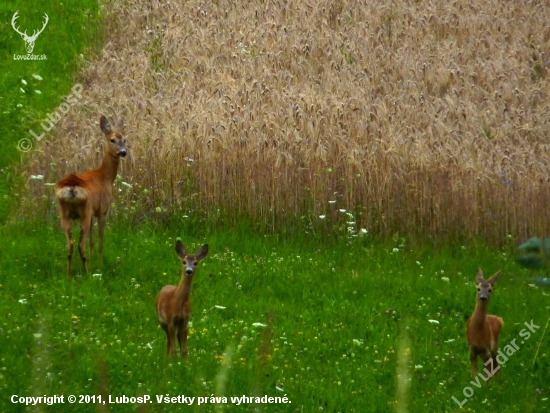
<point>332,319</point>
<point>344,324</point>
<point>29,90</point>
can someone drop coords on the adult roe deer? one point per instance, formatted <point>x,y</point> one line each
<point>173,306</point>
<point>482,329</point>
<point>88,195</point>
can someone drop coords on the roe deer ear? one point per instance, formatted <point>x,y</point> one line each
<point>202,252</point>
<point>479,276</point>
<point>180,249</point>
<point>493,280</point>
<point>105,125</point>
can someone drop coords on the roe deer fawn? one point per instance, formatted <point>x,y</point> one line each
<point>482,329</point>
<point>173,306</point>
<point>88,195</point>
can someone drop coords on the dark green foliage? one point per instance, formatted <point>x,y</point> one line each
<point>535,254</point>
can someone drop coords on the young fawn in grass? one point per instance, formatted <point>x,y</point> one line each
<point>173,306</point>
<point>88,195</point>
<point>482,329</point>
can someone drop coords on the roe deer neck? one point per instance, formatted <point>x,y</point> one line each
<point>183,292</point>
<point>109,166</point>
<point>480,313</point>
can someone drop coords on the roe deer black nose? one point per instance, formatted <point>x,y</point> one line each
<point>122,152</point>
<point>189,271</point>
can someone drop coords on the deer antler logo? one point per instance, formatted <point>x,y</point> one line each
<point>29,40</point>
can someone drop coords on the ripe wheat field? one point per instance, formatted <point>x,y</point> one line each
<point>429,119</point>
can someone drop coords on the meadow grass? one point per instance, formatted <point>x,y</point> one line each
<point>332,315</point>
<point>31,89</point>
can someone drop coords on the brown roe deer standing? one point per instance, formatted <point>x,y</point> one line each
<point>173,306</point>
<point>482,329</point>
<point>88,195</point>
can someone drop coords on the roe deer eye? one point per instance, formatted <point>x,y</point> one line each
<point>112,141</point>
<point>184,262</point>
<point>478,289</point>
